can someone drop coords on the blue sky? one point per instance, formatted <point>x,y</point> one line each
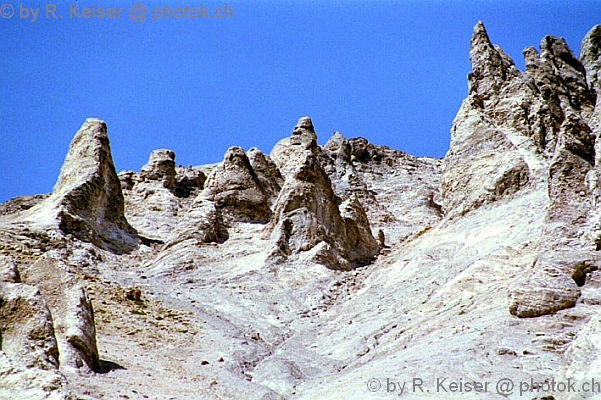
<point>393,72</point>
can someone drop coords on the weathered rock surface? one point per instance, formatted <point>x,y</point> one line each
<point>21,203</point>
<point>268,174</point>
<point>486,265</point>
<point>151,208</point>
<point>582,361</point>
<point>28,348</point>
<point>236,190</point>
<point>590,49</point>
<point>307,217</point>
<point>203,223</point>
<point>284,154</point>
<point>361,245</point>
<point>553,285</point>
<point>337,160</point>
<point>87,200</point>
<point>72,312</point>
<point>406,190</point>
<point>188,180</point>
<point>155,196</point>
<point>483,164</point>
<point>160,167</point>
<point>528,131</point>
<point>545,112</point>
<point>8,270</point>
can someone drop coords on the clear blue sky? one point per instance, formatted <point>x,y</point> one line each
<point>393,72</point>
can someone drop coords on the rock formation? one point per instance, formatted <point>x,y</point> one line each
<point>236,189</point>
<point>160,167</point>
<point>307,217</point>
<point>155,186</point>
<point>203,222</point>
<point>157,195</point>
<point>71,309</point>
<point>483,163</point>
<point>87,200</point>
<point>268,175</point>
<point>261,275</point>
<point>88,193</point>
<point>303,139</point>
<point>188,180</point>
<point>29,356</point>
<point>527,131</point>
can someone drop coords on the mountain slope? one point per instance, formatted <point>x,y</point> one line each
<point>342,271</point>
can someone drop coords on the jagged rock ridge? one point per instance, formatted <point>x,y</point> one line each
<point>486,263</point>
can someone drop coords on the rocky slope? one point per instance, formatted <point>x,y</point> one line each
<point>348,270</point>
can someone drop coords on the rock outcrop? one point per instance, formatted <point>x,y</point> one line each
<point>160,167</point>
<point>71,309</point>
<point>335,157</point>
<point>409,201</point>
<point>159,195</point>
<point>87,200</point>
<point>229,292</point>
<point>155,186</point>
<point>483,164</point>
<point>29,357</point>
<point>268,175</point>
<point>236,190</point>
<point>88,193</point>
<point>307,217</point>
<point>361,246</point>
<point>528,131</point>
<point>286,152</point>
<point>337,160</point>
<point>563,132</point>
<point>202,223</point>
<point>188,181</point>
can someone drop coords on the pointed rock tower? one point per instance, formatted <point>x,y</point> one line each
<point>87,200</point>
<point>307,219</point>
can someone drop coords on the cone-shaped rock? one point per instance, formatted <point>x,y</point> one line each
<point>236,189</point>
<point>88,194</point>
<point>307,218</point>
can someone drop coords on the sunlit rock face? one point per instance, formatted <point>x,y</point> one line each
<point>259,276</point>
